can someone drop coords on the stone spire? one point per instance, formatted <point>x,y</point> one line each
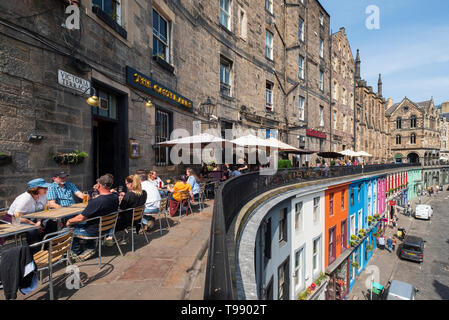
<point>379,86</point>
<point>357,66</point>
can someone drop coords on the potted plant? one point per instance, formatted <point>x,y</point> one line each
<point>377,216</point>
<point>369,247</point>
<point>362,233</point>
<point>355,265</point>
<point>71,158</point>
<point>5,159</point>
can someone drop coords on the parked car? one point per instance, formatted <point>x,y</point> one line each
<point>412,249</point>
<point>423,211</point>
<point>398,290</point>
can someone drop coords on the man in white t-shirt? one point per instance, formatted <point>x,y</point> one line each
<point>152,203</point>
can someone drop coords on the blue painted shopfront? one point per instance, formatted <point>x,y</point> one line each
<point>362,203</point>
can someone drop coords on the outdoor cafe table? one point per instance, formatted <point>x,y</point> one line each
<point>7,230</point>
<point>57,214</point>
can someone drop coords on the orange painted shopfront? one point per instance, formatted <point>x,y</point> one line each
<point>336,222</point>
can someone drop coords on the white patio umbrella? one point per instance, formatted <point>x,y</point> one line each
<point>348,152</point>
<point>203,138</point>
<point>251,141</point>
<point>275,143</point>
<point>363,154</point>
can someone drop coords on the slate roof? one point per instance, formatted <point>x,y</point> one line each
<point>420,105</point>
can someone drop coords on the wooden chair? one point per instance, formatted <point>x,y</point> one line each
<point>59,244</point>
<point>137,219</point>
<point>105,224</point>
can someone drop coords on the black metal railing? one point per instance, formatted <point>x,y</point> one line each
<point>234,193</point>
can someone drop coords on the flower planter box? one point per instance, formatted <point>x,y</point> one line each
<point>69,158</point>
<point>164,64</point>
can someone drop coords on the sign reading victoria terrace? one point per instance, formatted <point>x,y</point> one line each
<point>73,82</point>
<point>148,85</point>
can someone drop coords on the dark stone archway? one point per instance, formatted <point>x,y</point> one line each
<point>413,157</point>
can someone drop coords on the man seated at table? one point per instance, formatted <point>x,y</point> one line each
<point>107,202</point>
<point>60,193</point>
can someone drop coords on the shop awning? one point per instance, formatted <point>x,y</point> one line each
<point>330,155</point>
<point>334,265</point>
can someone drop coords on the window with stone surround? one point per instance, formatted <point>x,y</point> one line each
<point>398,123</point>
<point>112,8</point>
<point>225,77</point>
<point>398,139</point>
<point>321,81</point>
<point>269,96</point>
<point>321,48</point>
<point>301,29</point>
<point>269,6</point>
<point>321,116</point>
<point>161,33</point>
<point>413,121</point>
<point>413,138</point>
<point>268,45</point>
<point>225,13</point>
<point>301,67</point>
<point>301,102</point>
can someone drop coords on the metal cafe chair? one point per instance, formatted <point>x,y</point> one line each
<point>201,196</point>
<point>59,244</point>
<point>136,219</point>
<point>184,194</point>
<point>162,210</point>
<point>106,224</point>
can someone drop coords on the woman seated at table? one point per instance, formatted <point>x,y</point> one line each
<point>152,176</point>
<point>193,181</point>
<point>175,198</point>
<point>29,202</point>
<point>133,198</point>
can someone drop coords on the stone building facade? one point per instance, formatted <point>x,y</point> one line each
<point>371,133</point>
<point>342,93</point>
<point>242,55</point>
<point>444,132</point>
<point>414,132</point>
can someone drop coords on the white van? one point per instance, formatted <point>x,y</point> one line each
<point>423,211</point>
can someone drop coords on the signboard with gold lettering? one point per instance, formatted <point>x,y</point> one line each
<point>146,84</point>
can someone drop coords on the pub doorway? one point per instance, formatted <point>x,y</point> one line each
<point>110,136</point>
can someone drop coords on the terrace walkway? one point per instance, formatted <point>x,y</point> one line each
<point>170,267</point>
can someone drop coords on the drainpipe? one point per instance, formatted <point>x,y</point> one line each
<point>330,90</point>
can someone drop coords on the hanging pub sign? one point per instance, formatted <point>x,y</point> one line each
<point>146,84</point>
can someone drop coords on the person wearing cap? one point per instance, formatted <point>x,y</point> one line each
<point>106,203</point>
<point>28,202</point>
<point>60,193</point>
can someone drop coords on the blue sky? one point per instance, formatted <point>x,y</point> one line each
<point>410,50</point>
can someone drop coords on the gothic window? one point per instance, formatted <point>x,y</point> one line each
<point>398,139</point>
<point>413,121</point>
<point>413,138</point>
<point>399,123</point>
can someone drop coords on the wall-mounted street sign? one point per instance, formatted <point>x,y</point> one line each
<point>73,82</point>
<point>146,84</point>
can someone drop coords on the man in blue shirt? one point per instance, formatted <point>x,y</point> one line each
<point>60,193</point>
<point>236,172</point>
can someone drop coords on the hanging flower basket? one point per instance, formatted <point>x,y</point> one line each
<point>5,159</point>
<point>73,158</point>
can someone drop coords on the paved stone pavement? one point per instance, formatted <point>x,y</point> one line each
<point>432,276</point>
<point>170,267</point>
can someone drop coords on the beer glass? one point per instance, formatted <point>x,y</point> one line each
<point>46,208</point>
<point>85,198</point>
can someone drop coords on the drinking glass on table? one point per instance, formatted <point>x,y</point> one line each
<point>46,208</point>
<point>85,198</point>
<point>16,218</point>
